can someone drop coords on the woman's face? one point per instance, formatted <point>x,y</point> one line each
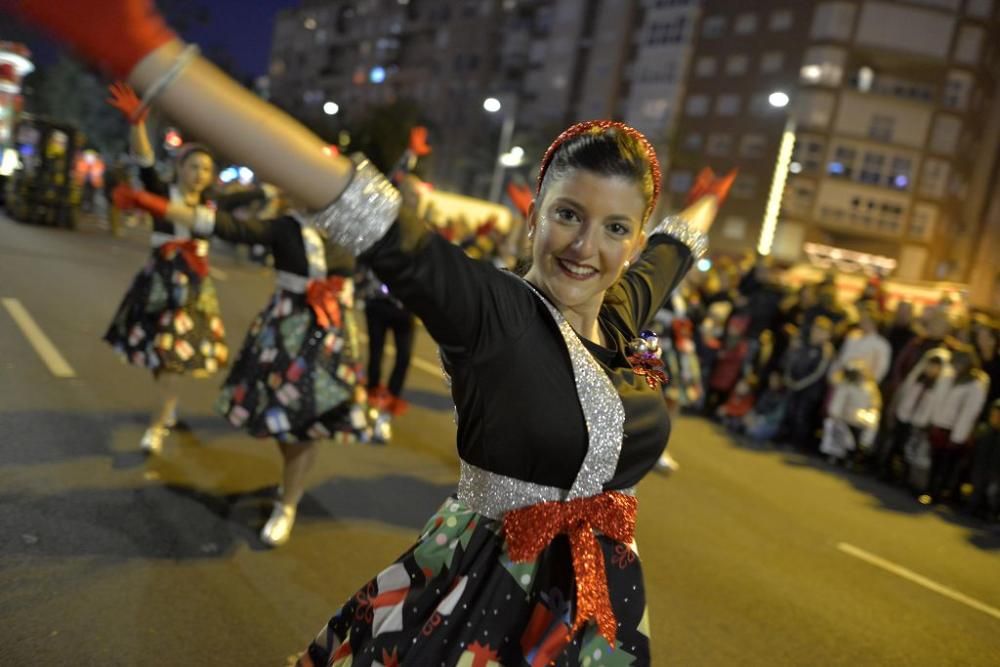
<point>197,172</point>
<point>584,229</point>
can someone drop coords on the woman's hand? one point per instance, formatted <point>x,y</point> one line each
<point>123,98</point>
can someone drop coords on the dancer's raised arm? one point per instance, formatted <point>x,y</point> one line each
<point>131,39</point>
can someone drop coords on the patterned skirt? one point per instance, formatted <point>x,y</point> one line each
<point>169,320</point>
<point>295,380</point>
<point>456,599</point>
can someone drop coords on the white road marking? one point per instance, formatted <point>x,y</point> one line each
<point>217,274</point>
<point>918,579</point>
<point>415,361</point>
<point>48,353</point>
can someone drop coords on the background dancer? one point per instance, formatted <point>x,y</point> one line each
<point>169,319</point>
<point>296,378</point>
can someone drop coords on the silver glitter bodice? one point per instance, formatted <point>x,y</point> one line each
<point>493,495</point>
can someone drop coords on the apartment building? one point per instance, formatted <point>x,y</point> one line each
<point>894,142</point>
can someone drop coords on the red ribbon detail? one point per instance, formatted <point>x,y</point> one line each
<point>323,297</point>
<point>189,251</point>
<point>529,530</point>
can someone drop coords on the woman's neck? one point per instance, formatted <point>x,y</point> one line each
<point>190,197</point>
<point>582,318</point>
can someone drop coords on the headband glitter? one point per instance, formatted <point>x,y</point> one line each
<point>600,127</point>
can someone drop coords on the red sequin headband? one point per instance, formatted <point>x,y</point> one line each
<point>597,127</point>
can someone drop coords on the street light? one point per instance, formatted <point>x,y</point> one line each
<point>331,108</point>
<point>779,100</point>
<point>504,152</point>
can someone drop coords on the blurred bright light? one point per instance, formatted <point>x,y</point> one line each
<point>901,181</point>
<point>377,74</point>
<point>229,174</point>
<point>811,72</point>
<point>246,175</point>
<point>173,139</point>
<point>310,23</point>
<point>795,167</point>
<point>835,168</point>
<point>512,158</point>
<point>773,208</point>
<point>9,162</point>
<point>704,264</point>
<point>517,152</point>
<point>492,104</point>
<point>778,99</point>
<point>331,108</point>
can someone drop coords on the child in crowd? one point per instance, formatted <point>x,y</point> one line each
<point>764,420</point>
<point>853,413</point>
<point>741,400</point>
<point>729,363</point>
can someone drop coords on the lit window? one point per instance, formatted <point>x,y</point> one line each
<point>957,89</point>
<point>719,144</point>
<point>736,65</point>
<point>752,146</point>
<point>680,181</point>
<point>771,62</point>
<point>705,66</point>
<point>746,24</point>
<point>745,186</point>
<point>968,46</point>
<point>780,20</point>
<point>881,127</point>
<point>727,105</point>
<point>934,178</point>
<point>693,142</point>
<point>696,105</point>
<point>713,26</point>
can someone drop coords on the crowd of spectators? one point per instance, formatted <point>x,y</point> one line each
<point>909,394</point>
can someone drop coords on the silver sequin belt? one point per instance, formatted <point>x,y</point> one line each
<point>493,495</point>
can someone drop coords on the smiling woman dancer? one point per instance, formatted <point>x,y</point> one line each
<point>533,559</point>
<point>169,319</point>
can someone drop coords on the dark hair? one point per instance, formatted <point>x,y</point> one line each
<point>191,149</point>
<point>607,152</point>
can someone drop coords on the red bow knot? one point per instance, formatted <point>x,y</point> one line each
<point>323,297</point>
<point>189,251</point>
<point>530,529</point>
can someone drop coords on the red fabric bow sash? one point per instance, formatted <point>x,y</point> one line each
<point>323,297</point>
<point>189,251</point>
<point>530,529</point>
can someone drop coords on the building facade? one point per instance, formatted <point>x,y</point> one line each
<point>441,55</point>
<point>894,143</point>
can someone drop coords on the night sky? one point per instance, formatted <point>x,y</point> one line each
<point>241,28</point>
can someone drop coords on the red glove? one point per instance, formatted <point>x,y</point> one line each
<point>125,197</point>
<point>116,34</point>
<point>124,99</point>
<point>418,141</point>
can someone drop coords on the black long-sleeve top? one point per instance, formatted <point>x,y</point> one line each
<point>518,409</point>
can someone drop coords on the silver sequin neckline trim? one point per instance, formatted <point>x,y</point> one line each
<point>602,409</point>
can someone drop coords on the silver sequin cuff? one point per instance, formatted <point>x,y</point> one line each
<point>364,211</point>
<point>678,228</point>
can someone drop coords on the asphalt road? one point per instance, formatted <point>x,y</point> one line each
<point>752,557</point>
